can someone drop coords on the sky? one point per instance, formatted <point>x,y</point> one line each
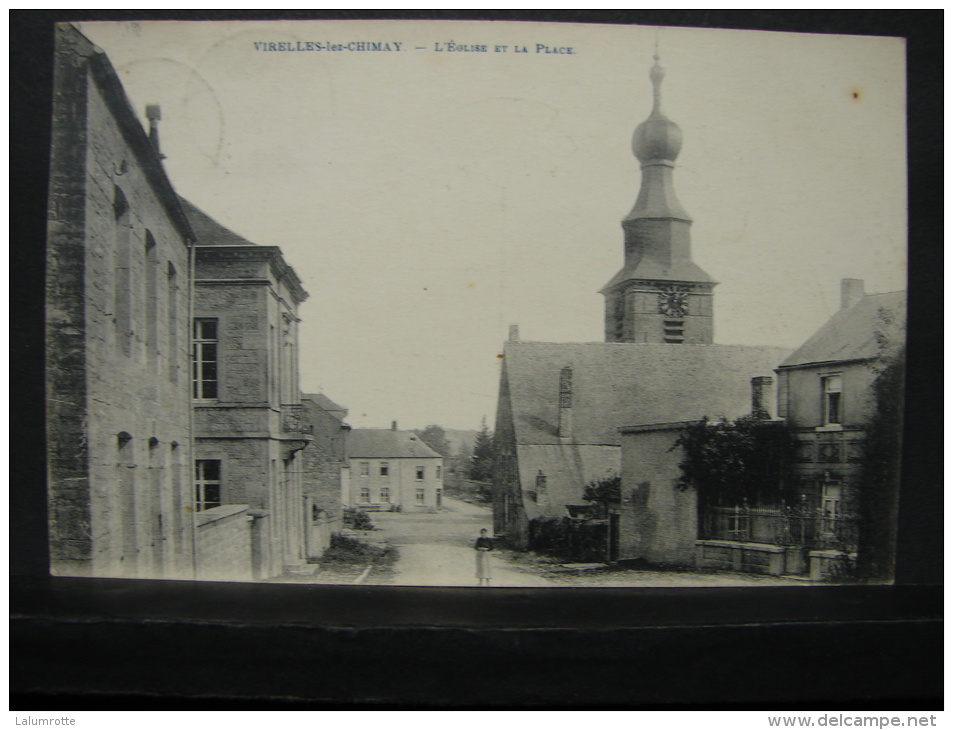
<point>428,198</point>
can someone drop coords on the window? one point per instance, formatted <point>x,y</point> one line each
<point>123,272</point>
<point>833,403</point>
<point>385,495</point>
<point>421,497</point>
<point>208,484</point>
<point>420,473</point>
<point>173,298</point>
<point>439,471</point>
<point>205,359</point>
<point>365,497</point>
<point>152,293</point>
<point>385,468</point>
<point>674,330</point>
<point>365,468</point>
<point>830,506</point>
<point>830,499</point>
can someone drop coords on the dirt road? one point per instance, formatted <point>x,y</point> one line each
<point>437,549</point>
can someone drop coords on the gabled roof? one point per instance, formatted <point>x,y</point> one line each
<point>622,384</point>
<point>326,404</point>
<point>385,443</point>
<point>208,231</point>
<point>864,331</point>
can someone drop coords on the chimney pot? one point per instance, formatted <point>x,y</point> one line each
<point>154,114</point>
<point>514,333</point>
<point>760,392</point>
<point>564,426</point>
<point>851,292</point>
<point>393,425</point>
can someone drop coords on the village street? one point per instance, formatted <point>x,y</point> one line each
<point>436,549</point>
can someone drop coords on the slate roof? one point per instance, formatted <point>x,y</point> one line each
<point>326,404</point>
<point>623,384</point>
<point>208,231</point>
<point>385,443</point>
<point>856,333</point>
<point>648,268</point>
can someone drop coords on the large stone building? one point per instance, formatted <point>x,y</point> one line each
<point>561,405</point>
<point>249,421</point>
<point>325,470</point>
<point>117,335</point>
<point>825,394</point>
<point>393,470</point>
<point>162,463</point>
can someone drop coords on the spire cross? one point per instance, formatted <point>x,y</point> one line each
<point>656,74</point>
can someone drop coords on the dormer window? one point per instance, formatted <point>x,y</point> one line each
<point>832,405</point>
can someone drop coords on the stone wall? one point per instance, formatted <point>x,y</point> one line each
<point>224,543</point>
<point>245,360</point>
<point>323,459</point>
<point>800,397</point>
<point>257,374</point>
<point>117,337</point>
<point>658,521</point>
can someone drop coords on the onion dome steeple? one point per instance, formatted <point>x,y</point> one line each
<point>660,294</point>
<point>656,144</point>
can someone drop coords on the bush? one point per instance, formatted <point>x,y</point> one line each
<point>357,519</point>
<point>582,541</point>
<point>350,551</point>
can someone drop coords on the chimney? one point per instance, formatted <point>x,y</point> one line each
<point>393,425</point>
<point>851,292</point>
<point>565,403</point>
<point>514,333</point>
<point>154,114</point>
<point>760,396</point>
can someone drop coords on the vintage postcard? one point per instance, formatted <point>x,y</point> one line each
<point>475,304</point>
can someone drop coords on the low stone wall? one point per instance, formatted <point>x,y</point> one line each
<point>828,565</point>
<point>223,543</point>
<point>742,557</point>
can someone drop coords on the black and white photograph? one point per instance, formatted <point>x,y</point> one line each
<point>476,305</point>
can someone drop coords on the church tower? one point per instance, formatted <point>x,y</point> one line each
<point>660,295</point>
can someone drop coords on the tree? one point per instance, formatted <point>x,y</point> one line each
<point>481,463</point>
<point>606,492</point>
<point>729,462</point>
<point>879,475</point>
<point>436,438</point>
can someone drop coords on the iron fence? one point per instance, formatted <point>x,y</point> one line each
<point>786,526</point>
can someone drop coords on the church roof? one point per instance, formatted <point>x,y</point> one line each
<point>326,404</point>
<point>858,333</point>
<point>647,268</point>
<point>386,443</point>
<point>208,231</point>
<point>622,384</point>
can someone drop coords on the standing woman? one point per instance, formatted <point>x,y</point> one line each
<point>483,547</point>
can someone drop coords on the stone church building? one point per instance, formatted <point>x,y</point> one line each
<point>561,405</point>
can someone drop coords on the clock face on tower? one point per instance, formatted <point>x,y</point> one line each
<point>673,301</point>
